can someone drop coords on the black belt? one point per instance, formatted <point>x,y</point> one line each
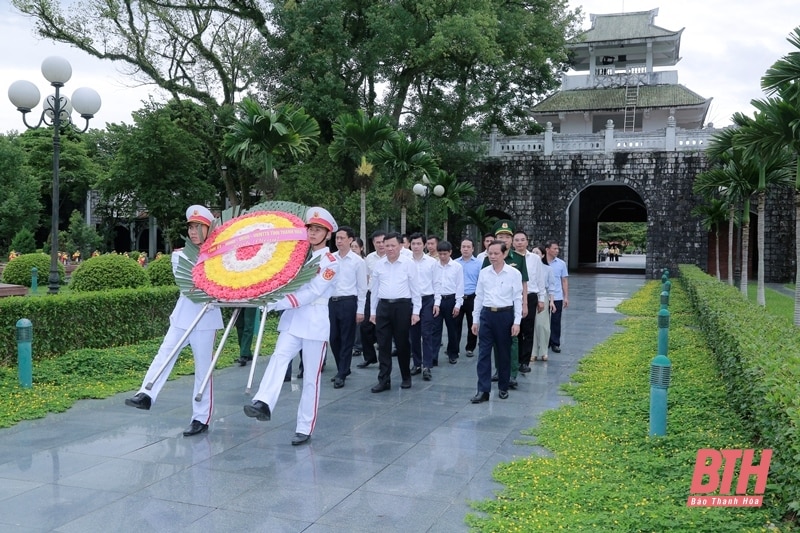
<point>448,296</point>
<point>395,300</point>
<point>340,298</point>
<point>427,296</point>
<point>468,296</point>
<point>499,309</point>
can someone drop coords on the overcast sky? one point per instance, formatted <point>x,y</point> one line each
<point>726,48</point>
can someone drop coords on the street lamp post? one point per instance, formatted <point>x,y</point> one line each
<point>24,95</point>
<point>423,190</point>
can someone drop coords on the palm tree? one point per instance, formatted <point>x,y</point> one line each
<point>734,178</point>
<point>781,115</point>
<point>713,213</point>
<point>356,138</point>
<point>261,135</point>
<point>454,193</point>
<point>406,162</point>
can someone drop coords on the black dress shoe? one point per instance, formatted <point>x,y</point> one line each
<point>524,368</point>
<point>503,394</point>
<point>556,349</point>
<point>300,438</point>
<point>406,384</point>
<point>416,370</point>
<point>338,383</point>
<point>140,401</point>
<point>195,428</point>
<point>258,410</point>
<point>470,353</point>
<point>244,360</point>
<point>512,384</point>
<point>426,374</point>
<point>494,377</point>
<point>380,387</point>
<point>480,397</point>
<point>453,360</point>
<point>347,374</point>
<point>365,364</point>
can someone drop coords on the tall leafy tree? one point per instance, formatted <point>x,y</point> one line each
<point>406,162</point>
<point>157,169</point>
<point>19,192</point>
<point>712,214</point>
<point>356,139</point>
<point>781,128</point>
<point>260,135</point>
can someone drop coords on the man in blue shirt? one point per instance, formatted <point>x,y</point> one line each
<point>471,267</point>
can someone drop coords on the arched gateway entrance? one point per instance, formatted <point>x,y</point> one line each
<point>604,204</point>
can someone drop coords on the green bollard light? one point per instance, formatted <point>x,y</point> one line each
<point>667,286</point>
<point>24,355</point>
<point>663,331</point>
<point>660,375</point>
<point>664,299</point>
<point>34,279</point>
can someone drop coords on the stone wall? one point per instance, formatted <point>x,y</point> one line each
<point>538,190</point>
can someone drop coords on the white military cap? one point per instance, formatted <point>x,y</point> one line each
<point>321,217</point>
<point>199,213</point>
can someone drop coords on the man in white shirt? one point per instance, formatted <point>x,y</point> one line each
<point>394,309</point>
<point>560,295</point>
<point>424,353</point>
<point>487,240</point>
<point>368,338</point>
<point>346,305</point>
<point>535,302</point>
<point>448,298</point>
<point>304,325</point>
<point>496,319</point>
<point>431,242</point>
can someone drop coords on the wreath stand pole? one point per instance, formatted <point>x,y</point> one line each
<point>178,346</point>
<point>221,345</point>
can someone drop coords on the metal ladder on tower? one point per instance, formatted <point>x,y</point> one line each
<point>631,99</point>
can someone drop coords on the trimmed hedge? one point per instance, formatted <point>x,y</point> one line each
<point>86,320</point>
<point>18,271</point>
<point>759,358</point>
<point>108,271</point>
<point>159,271</point>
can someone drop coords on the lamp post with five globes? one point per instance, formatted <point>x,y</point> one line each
<point>24,95</point>
<point>424,190</point>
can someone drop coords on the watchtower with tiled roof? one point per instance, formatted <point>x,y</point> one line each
<point>616,80</point>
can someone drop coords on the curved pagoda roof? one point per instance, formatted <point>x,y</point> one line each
<point>626,34</point>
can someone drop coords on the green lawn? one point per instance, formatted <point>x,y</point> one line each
<point>605,473</point>
<point>777,304</point>
<point>80,374</point>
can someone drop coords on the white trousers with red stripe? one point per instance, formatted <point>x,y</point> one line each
<point>286,348</point>
<point>202,342</point>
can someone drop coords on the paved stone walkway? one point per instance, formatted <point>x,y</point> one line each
<point>403,460</point>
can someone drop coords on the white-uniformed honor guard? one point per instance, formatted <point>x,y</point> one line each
<point>305,326</point>
<point>198,219</point>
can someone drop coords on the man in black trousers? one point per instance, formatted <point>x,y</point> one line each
<point>394,308</point>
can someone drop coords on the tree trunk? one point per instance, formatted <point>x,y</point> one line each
<point>716,255</point>
<point>731,229</point>
<point>745,257</point>
<point>364,214</point>
<point>760,297</point>
<point>444,230</point>
<point>403,212</point>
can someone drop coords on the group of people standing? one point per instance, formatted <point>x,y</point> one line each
<point>400,298</point>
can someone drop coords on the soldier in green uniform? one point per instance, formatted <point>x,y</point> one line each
<point>504,231</point>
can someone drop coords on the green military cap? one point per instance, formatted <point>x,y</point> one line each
<point>504,226</point>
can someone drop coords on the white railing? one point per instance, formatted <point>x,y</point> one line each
<point>669,139</point>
